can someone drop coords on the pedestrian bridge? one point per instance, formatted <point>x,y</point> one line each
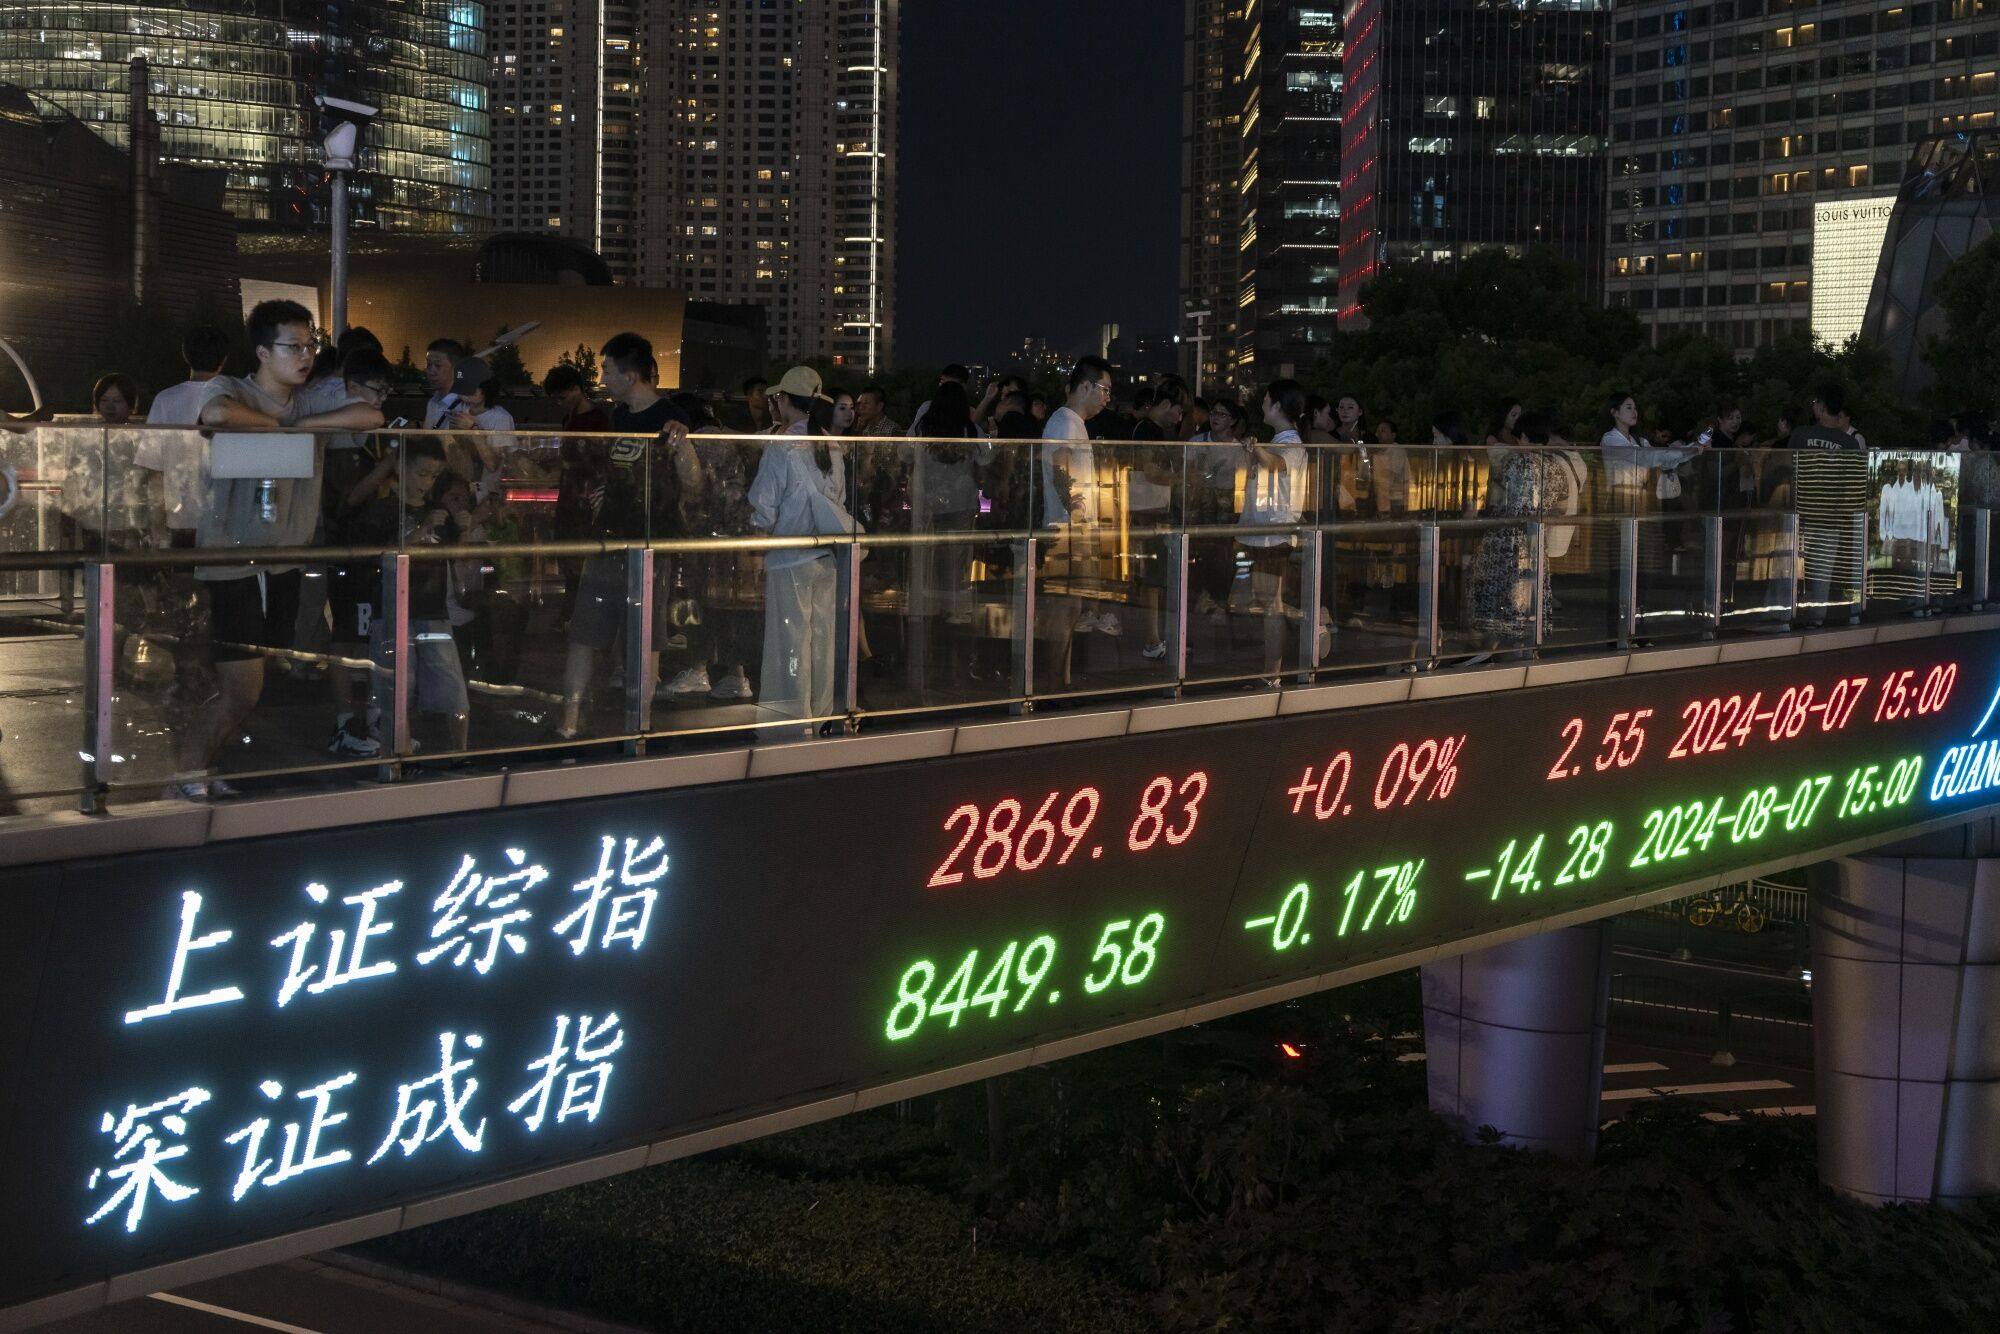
<point>612,929</point>
<point>245,1031</point>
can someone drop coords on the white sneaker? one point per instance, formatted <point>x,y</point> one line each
<point>198,789</point>
<point>733,686</point>
<point>1108,624</point>
<point>1155,650</point>
<point>693,681</point>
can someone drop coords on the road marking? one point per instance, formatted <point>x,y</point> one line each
<point>1680,1090</point>
<point>228,1314</point>
<point>1633,1068</point>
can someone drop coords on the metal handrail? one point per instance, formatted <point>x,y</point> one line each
<point>1314,560</point>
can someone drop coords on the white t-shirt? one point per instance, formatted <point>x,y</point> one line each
<point>1275,495</point>
<point>1074,457</point>
<point>177,456</point>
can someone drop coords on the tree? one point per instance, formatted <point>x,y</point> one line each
<point>584,362</point>
<point>1500,329</point>
<point>1966,357</point>
<point>509,371</point>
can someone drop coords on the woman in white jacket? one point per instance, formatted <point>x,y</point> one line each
<point>800,491</point>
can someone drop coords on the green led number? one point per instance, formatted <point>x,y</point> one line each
<point>1291,917</point>
<point>1025,966</point>
<point>1805,801</point>
<point>1400,879</point>
<point>1902,784</point>
<point>993,989</point>
<point>1518,870</point>
<point>1120,964</point>
<point>911,1004</point>
<point>954,998</point>
<point>1143,955</point>
<point>1753,815</point>
<point>1031,972</point>
<point>1589,845</point>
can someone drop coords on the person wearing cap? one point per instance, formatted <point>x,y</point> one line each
<point>800,491</point>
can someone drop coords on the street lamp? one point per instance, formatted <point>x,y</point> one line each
<point>343,122</point>
<point>1200,340</point>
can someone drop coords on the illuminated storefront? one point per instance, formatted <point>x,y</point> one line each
<point>1847,244</point>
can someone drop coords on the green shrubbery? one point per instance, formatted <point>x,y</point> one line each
<point>1204,1182</point>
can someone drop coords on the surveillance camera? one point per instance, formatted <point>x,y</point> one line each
<point>344,120</point>
<point>345,109</point>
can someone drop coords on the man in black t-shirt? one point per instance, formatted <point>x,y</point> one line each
<point>1830,491</point>
<point>641,491</point>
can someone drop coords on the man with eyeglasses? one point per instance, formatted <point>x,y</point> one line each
<point>255,608</point>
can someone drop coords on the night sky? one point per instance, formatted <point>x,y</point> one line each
<point>1040,174</point>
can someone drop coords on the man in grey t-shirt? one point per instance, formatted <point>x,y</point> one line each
<point>252,608</point>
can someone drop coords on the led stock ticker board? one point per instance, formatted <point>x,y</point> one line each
<point>211,1046</point>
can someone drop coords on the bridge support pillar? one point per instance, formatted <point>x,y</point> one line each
<point>1514,1037</point>
<point>1906,1026</point>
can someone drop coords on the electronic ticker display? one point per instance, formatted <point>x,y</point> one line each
<point>210,1046</point>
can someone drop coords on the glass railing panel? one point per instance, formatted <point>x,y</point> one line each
<point>1830,492</point>
<point>1370,597</point>
<point>1583,607</point>
<point>1103,558</point>
<point>941,589</point>
<point>1759,571</point>
<point>1673,580</point>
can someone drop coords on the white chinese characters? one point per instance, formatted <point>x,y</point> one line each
<point>627,913</point>
<point>495,901</point>
<point>188,943</point>
<point>343,950</point>
<point>146,1139</point>
<point>584,1068</point>
<point>164,1150</point>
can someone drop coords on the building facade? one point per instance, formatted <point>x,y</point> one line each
<point>1758,146</point>
<point>1260,206</point>
<point>1211,176</point>
<point>1471,127</point>
<point>1289,201</point>
<point>767,176</point>
<point>1948,205</point>
<point>565,77</point>
<point>233,81</point>
<point>75,252</point>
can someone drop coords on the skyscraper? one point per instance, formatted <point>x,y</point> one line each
<point>1758,146</point>
<point>768,173</point>
<point>1211,157</point>
<point>233,83</point>
<point>565,121</point>
<point>1471,127</point>
<point>1289,208</point>
<point>1260,133</point>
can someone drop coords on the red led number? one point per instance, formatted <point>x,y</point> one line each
<point>999,848</point>
<point>1328,792</point>
<point>1573,730</point>
<point>1623,740</point>
<point>1151,823</point>
<point>1428,770</point>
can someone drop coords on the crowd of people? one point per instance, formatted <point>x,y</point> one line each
<point>1114,478</point>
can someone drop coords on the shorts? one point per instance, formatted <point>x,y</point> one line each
<point>599,611</point>
<point>252,612</point>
